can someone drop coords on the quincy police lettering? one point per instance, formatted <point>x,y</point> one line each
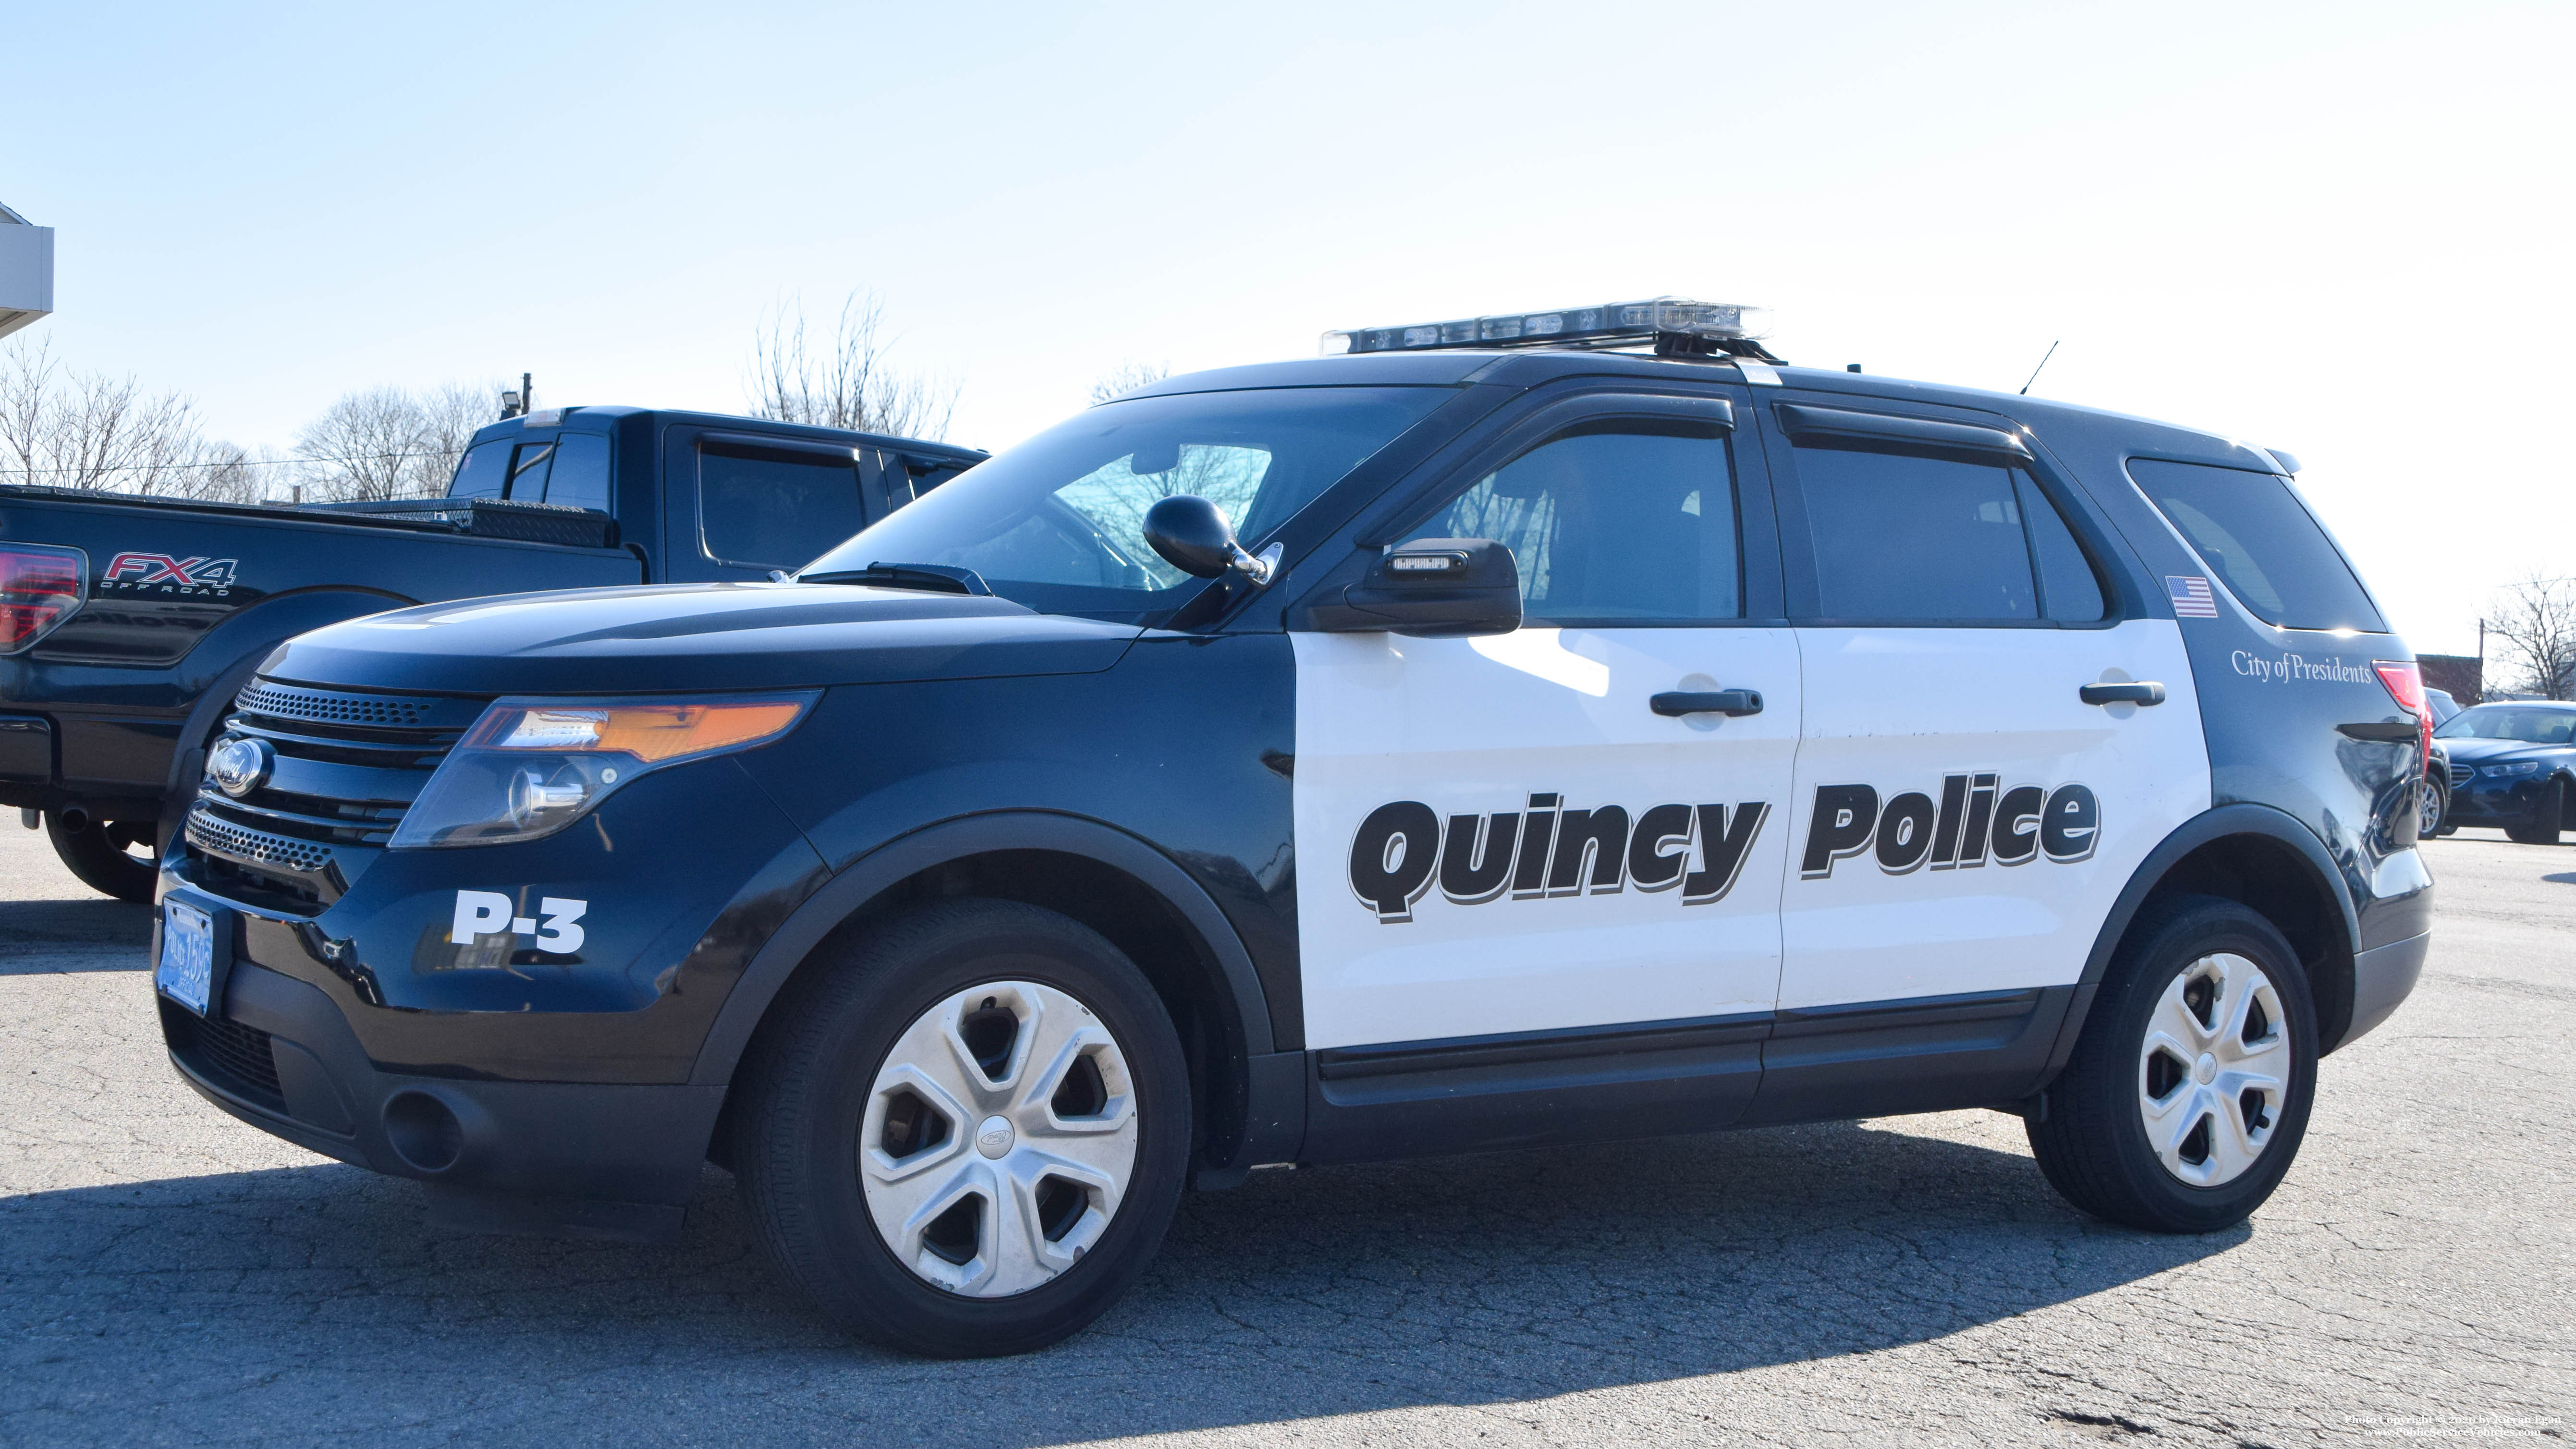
<point>1546,850</point>
<point>1975,821</point>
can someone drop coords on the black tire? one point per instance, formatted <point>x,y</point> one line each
<point>807,1086</point>
<point>2547,816</point>
<point>2090,1138</point>
<point>97,853</point>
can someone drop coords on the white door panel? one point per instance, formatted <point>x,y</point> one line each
<point>2034,808</point>
<point>1544,739</point>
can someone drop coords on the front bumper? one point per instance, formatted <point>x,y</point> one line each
<point>2480,801</point>
<point>589,1159</point>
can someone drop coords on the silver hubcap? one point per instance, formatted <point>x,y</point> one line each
<point>999,1138</point>
<point>2214,1070</point>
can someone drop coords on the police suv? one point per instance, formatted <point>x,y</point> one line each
<point>1511,732</point>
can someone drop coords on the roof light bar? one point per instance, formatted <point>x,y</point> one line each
<point>1616,324</point>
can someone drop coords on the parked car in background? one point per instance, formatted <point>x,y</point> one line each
<point>2443,705</point>
<point>2513,766</point>
<point>127,624</point>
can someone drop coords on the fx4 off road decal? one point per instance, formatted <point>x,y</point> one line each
<point>160,573</point>
<point>1975,822</point>
<point>1548,850</point>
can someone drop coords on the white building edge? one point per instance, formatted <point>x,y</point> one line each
<point>26,271</point>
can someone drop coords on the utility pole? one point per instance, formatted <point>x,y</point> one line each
<point>2482,661</point>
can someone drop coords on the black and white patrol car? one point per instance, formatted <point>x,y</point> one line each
<point>1559,743</point>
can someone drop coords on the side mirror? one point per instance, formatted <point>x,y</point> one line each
<point>1430,588</point>
<point>1192,535</point>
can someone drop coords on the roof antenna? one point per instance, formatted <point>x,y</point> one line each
<point>2034,372</point>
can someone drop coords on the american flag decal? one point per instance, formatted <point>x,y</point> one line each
<point>2191,597</point>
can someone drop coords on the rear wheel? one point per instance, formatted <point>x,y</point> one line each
<point>2546,816</point>
<point>111,857</point>
<point>2188,1092</point>
<point>967,1136</point>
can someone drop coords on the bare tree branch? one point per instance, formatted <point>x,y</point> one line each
<point>2535,616</point>
<point>1126,378</point>
<point>845,381</point>
<point>69,429</point>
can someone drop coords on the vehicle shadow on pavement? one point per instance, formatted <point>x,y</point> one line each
<point>304,1300</point>
<point>75,935</point>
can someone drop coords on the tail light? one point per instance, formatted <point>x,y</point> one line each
<point>40,587</point>
<point>2406,685</point>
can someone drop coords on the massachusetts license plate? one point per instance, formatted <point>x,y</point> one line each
<point>186,971</point>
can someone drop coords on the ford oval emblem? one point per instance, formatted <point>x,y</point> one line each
<point>239,766</point>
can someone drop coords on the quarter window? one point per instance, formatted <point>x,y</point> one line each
<point>2258,537</point>
<point>766,509</point>
<point>1618,521</point>
<point>1907,536</point>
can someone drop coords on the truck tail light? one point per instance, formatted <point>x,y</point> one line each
<point>2406,685</point>
<point>40,587</point>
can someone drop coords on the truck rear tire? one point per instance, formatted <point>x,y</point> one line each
<point>100,853</point>
<point>966,1135</point>
<point>2189,1089</point>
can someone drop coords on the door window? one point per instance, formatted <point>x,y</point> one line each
<point>765,509</point>
<point>1907,536</point>
<point>1619,521</point>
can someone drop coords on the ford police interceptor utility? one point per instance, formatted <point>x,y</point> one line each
<point>1484,737</point>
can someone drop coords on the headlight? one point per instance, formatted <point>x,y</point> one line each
<point>2518,767</point>
<point>531,767</point>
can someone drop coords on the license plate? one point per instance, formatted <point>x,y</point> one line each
<point>186,971</point>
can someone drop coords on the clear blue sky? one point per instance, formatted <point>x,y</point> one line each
<point>2338,229</point>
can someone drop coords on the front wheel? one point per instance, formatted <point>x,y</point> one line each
<point>967,1135</point>
<point>2188,1092</point>
<point>103,854</point>
<point>2547,815</point>
<point>2435,803</point>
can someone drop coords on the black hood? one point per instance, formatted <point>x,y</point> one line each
<point>696,636</point>
<point>2468,748</point>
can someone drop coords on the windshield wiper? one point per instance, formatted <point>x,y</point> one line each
<point>929,578</point>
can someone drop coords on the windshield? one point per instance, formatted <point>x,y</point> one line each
<point>2505,722</point>
<point>1057,523</point>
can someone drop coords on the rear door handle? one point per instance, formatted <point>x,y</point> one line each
<point>2143,692</point>
<point>1718,701</point>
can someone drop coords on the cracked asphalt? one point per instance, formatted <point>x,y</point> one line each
<point>169,1276</point>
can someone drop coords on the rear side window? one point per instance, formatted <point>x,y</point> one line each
<point>580,478</point>
<point>774,510</point>
<point>2261,540</point>
<point>1907,536</point>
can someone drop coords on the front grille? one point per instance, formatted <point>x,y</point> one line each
<point>280,701</point>
<point>345,765</point>
<point>235,1056</point>
<point>255,847</point>
<point>2460,775</point>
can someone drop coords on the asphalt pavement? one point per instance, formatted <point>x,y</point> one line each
<point>170,1276</point>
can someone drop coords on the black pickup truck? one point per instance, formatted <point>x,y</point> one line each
<point>128,624</point>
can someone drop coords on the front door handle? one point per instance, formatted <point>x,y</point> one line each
<point>1717,701</point>
<point>2142,692</point>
